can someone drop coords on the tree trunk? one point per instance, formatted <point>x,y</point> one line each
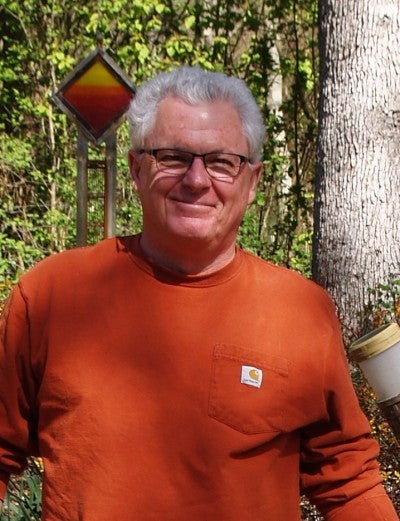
<point>357,200</point>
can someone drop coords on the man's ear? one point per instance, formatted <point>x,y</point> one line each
<point>256,173</point>
<point>134,167</point>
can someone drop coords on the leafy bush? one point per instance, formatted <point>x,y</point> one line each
<point>24,495</point>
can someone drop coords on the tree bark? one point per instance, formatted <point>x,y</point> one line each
<point>357,197</point>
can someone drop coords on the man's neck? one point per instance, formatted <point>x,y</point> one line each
<point>190,258</point>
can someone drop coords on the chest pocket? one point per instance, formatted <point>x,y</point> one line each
<point>247,389</point>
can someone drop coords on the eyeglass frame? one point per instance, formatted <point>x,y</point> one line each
<point>154,151</point>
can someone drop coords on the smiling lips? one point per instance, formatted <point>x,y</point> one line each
<point>195,204</point>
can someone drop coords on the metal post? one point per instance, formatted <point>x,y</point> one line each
<point>110,185</point>
<point>82,191</point>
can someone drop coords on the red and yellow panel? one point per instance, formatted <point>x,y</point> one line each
<point>96,95</point>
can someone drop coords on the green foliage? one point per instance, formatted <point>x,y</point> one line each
<point>30,227</point>
<point>258,41</point>
<point>383,306</point>
<point>24,495</point>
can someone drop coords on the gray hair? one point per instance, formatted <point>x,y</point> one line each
<point>194,85</point>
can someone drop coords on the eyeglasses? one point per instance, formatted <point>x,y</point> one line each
<point>219,165</point>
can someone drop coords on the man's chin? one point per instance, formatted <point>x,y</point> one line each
<point>194,228</point>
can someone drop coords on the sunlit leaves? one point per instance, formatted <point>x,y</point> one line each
<point>43,44</point>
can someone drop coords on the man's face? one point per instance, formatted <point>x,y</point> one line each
<point>194,208</point>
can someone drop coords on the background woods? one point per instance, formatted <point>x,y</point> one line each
<point>273,46</point>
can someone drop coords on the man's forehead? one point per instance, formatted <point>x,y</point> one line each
<point>200,127</point>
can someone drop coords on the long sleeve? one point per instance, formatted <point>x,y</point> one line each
<point>371,505</point>
<point>17,390</point>
<point>339,468</point>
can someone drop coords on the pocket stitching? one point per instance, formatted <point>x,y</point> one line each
<point>247,357</point>
<point>255,357</point>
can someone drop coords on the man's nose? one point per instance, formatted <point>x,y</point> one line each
<point>197,178</point>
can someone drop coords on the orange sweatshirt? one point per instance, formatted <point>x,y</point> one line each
<point>155,396</point>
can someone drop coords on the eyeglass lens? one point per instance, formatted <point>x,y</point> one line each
<point>216,164</point>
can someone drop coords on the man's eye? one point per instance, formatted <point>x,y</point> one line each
<point>221,161</point>
<point>173,157</point>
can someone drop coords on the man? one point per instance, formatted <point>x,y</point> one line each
<point>170,376</point>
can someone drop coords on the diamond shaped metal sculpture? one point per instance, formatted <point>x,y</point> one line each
<point>96,95</point>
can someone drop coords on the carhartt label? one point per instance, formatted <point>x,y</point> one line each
<point>251,376</point>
